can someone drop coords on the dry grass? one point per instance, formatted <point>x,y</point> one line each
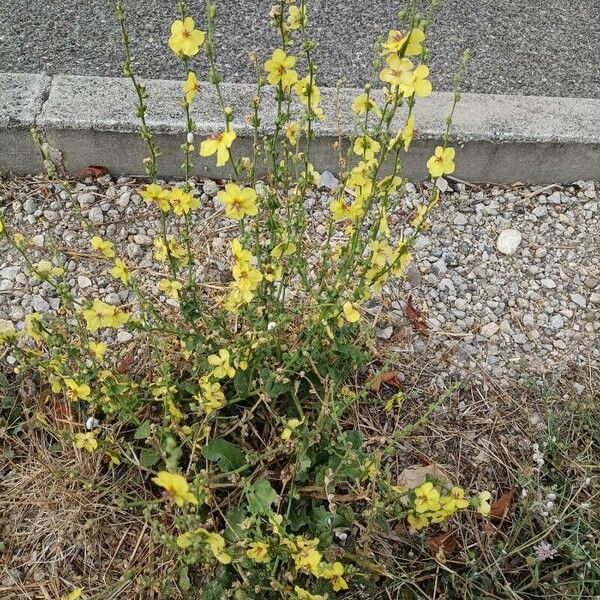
<point>62,527</point>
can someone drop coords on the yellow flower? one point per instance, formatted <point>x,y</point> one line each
<point>272,272</point>
<point>76,593</point>
<point>106,248</point>
<point>217,545</point>
<point>483,503</point>
<point>46,269</point>
<point>239,202</point>
<point>1,226</point>
<point>418,521</point>
<point>351,313</point>
<point>284,248</point>
<point>306,556</point>
<point>221,363</point>
<point>239,253</point>
<point>364,103</point>
<point>416,83</point>
<point>77,391</point>
<point>366,147</point>
<point>296,17</point>
<point>455,501</point>
<point>334,574</point>
<point>103,315</point>
<point>306,92</point>
<point>280,69</point>
<point>121,271</point>
<point>170,287</point>
<point>86,441</point>
<point>442,162</point>
<point>211,396</point>
<point>427,498</point>
<point>246,277</point>
<point>342,209</point>
<point>33,326</point>
<point>397,70</point>
<point>155,193</point>
<point>409,45</point>
<point>258,552</point>
<point>176,488</point>
<point>182,202</point>
<point>185,38</point>
<point>292,130</point>
<point>98,349</point>
<point>408,132</point>
<point>290,426</point>
<point>302,594</point>
<point>190,87</point>
<point>177,251</point>
<point>219,143</point>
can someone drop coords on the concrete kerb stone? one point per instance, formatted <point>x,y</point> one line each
<point>21,98</point>
<point>499,138</point>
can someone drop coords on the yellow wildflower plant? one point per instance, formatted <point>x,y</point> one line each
<point>258,552</point>
<point>427,498</point>
<point>121,271</point>
<point>302,594</point>
<point>185,39</point>
<point>366,147</point>
<point>482,503</point>
<point>455,500</point>
<point>86,441</point>
<point>98,349</point>
<point>190,87</point>
<point>351,313</point>
<point>105,247</point>
<point>239,253</point>
<point>33,326</point>
<point>290,426</point>
<point>239,201</point>
<point>176,488</point>
<point>442,162</point>
<point>101,315</point>
<point>296,17</point>
<point>334,575</point>
<point>170,287</point>
<point>219,144</point>
<point>221,365</point>
<point>280,69</point>
<point>77,391</point>
<point>416,83</point>
<point>407,44</point>
<point>292,131</point>
<point>211,396</point>
<point>46,269</point>
<point>154,193</point>
<point>397,70</point>
<point>363,103</point>
<point>182,202</point>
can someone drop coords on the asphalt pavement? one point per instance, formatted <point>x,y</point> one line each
<point>531,47</point>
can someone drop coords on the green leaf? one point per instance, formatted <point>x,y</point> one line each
<point>273,387</point>
<point>184,579</point>
<point>242,381</point>
<point>148,457</point>
<point>261,496</point>
<point>233,520</point>
<point>227,455</point>
<point>143,431</point>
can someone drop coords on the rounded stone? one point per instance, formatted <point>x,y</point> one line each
<point>508,241</point>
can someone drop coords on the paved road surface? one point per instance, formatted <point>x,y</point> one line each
<point>546,47</point>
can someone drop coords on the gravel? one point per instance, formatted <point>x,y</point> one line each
<point>511,53</point>
<point>517,315</point>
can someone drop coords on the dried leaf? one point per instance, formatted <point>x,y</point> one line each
<point>416,318</point>
<point>125,364</point>
<point>63,413</point>
<point>388,377</point>
<point>500,508</point>
<point>93,171</point>
<point>442,545</point>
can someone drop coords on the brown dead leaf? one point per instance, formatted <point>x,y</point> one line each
<point>125,364</point>
<point>500,508</point>
<point>442,545</point>
<point>94,171</point>
<point>388,377</point>
<point>416,318</point>
<point>63,412</point>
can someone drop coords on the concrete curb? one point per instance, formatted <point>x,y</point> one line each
<point>499,138</point>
